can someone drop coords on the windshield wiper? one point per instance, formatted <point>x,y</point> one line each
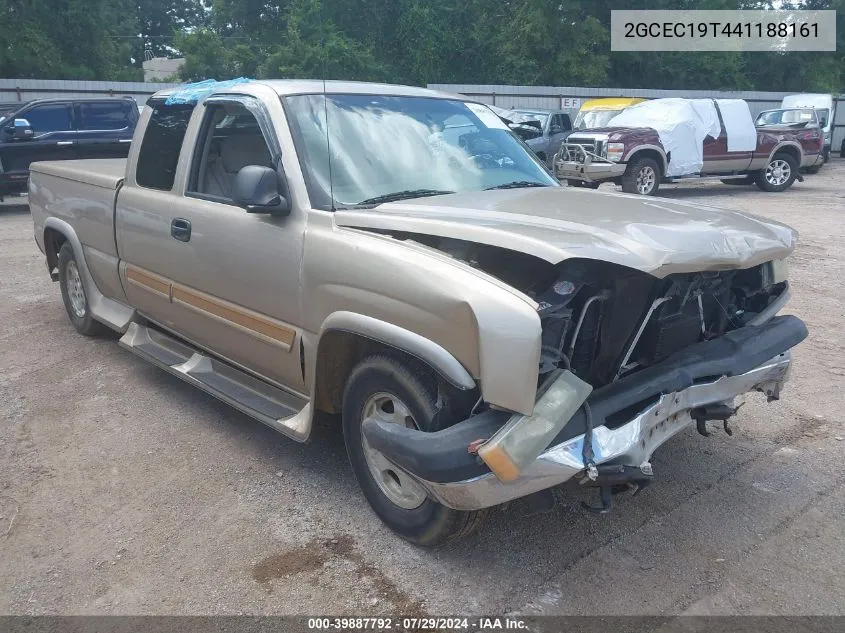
<point>518,184</point>
<point>402,195</point>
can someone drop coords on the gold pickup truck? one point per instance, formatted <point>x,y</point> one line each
<point>397,261</point>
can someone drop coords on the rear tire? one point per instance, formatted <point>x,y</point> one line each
<point>778,175</point>
<point>74,296</point>
<point>642,176</point>
<point>386,388</point>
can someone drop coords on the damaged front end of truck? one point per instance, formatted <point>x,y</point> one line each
<point>628,358</point>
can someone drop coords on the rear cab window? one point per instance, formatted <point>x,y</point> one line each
<point>161,145</point>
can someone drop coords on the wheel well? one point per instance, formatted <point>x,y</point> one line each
<point>338,353</point>
<point>53,241</point>
<point>649,153</point>
<point>791,150</point>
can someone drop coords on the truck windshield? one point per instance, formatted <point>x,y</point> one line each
<point>362,150</point>
<point>593,118</point>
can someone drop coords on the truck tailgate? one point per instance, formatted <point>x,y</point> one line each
<point>77,199</point>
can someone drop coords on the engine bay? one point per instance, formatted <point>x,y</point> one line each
<point>604,321</point>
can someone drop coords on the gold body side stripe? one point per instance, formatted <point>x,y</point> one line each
<point>148,281</point>
<point>253,323</point>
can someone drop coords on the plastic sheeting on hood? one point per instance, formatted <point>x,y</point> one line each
<point>681,124</point>
<point>739,125</point>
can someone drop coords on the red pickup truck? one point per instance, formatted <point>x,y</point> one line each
<point>636,159</point>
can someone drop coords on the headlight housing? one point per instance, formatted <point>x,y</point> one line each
<point>779,270</point>
<point>615,152</point>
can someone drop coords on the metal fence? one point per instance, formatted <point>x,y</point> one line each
<point>570,98</point>
<point>19,90</point>
<point>562,97</point>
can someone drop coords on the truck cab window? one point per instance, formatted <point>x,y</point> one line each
<point>53,117</point>
<point>230,139</point>
<point>161,145</point>
<point>104,115</point>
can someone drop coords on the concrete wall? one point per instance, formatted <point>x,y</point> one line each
<point>570,98</point>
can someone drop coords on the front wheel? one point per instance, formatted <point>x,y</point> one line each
<point>779,174</point>
<point>73,294</point>
<point>383,388</point>
<point>642,176</point>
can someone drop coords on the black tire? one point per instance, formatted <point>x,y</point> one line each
<point>826,155</point>
<point>638,170</point>
<point>71,285</point>
<point>814,169</point>
<point>842,149</point>
<point>763,180</point>
<point>431,523</point>
<point>748,180</point>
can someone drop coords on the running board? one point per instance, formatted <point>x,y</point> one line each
<point>677,179</point>
<point>283,411</point>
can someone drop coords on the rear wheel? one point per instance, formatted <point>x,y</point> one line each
<point>779,174</point>
<point>642,176</point>
<point>74,296</point>
<point>383,388</point>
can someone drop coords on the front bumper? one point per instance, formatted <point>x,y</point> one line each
<point>573,162</point>
<point>630,444</point>
<point>632,417</point>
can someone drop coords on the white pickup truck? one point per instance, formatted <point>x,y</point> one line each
<point>397,260</point>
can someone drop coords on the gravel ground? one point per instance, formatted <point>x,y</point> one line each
<point>125,491</point>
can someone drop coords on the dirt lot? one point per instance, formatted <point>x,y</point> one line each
<point>122,490</point>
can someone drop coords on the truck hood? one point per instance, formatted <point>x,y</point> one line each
<point>654,235</point>
<point>608,131</point>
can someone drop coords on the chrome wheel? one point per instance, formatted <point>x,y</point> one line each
<point>778,172</point>
<point>646,179</point>
<point>75,291</point>
<point>398,486</point>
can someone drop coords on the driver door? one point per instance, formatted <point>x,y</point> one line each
<point>558,127</point>
<point>234,275</point>
<point>53,137</point>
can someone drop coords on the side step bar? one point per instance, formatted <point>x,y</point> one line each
<point>283,411</point>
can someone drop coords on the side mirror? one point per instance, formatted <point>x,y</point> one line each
<point>822,122</point>
<point>20,129</point>
<point>260,190</point>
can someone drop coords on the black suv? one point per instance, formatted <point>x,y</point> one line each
<point>61,129</point>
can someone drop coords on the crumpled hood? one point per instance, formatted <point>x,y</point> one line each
<point>654,235</point>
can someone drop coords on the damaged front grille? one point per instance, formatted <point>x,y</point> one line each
<point>591,145</point>
<point>628,320</point>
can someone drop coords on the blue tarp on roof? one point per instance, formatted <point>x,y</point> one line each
<point>191,93</point>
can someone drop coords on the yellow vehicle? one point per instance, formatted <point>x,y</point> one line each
<point>597,112</point>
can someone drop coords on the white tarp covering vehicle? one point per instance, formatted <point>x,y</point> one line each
<point>683,125</point>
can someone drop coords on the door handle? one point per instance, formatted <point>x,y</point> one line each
<point>64,142</point>
<point>180,229</point>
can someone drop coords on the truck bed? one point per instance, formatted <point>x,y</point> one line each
<point>100,172</point>
<point>80,195</point>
